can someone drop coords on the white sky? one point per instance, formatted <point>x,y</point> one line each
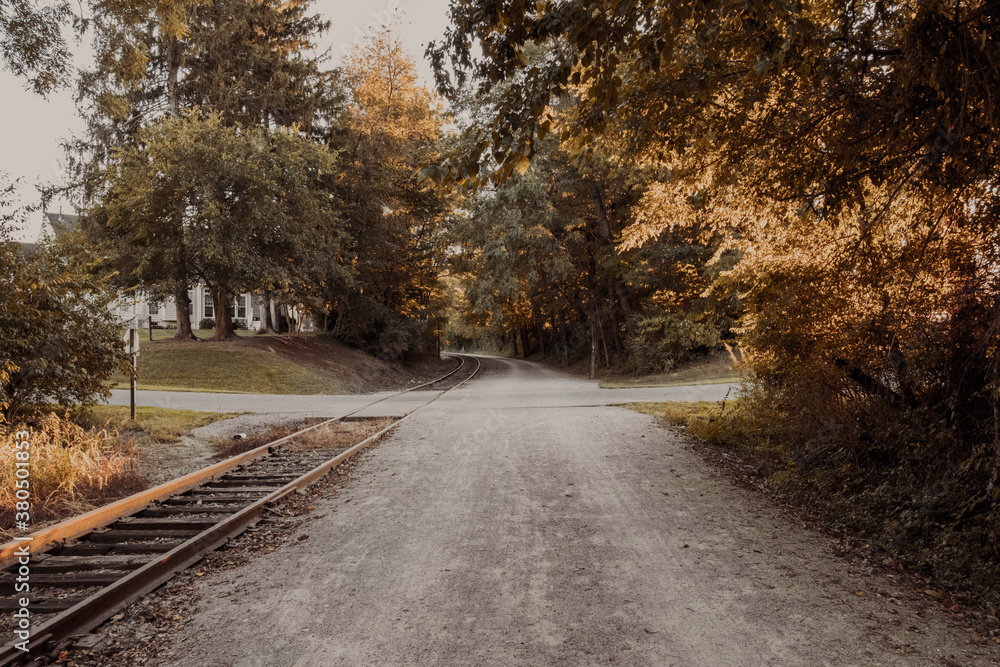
<point>33,126</point>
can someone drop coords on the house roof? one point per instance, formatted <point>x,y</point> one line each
<point>60,223</point>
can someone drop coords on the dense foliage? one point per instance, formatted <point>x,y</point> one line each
<point>846,154</point>
<point>200,200</point>
<point>390,128</point>
<point>59,339</point>
<point>31,42</point>
<point>347,236</point>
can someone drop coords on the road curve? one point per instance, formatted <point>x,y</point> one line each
<point>499,526</point>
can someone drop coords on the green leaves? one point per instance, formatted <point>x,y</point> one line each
<point>234,207</point>
<point>60,341</point>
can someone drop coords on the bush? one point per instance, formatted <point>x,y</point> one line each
<point>60,341</point>
<point>206,323</point>
<point>239,324</point>
<point>660,342</point>
<point>72,469</point>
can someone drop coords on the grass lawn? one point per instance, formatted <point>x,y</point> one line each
<point>159,424</point>
<point>308,363</point>
<point>225,367</point>
<point>717,369</point>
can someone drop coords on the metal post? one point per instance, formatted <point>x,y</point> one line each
<point>132,346</point>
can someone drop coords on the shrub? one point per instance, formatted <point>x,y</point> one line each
<point>239,324</point>
<point>59,340</point>
<point>206,323</point>
<point>72,469</point>
<point>660,342</point>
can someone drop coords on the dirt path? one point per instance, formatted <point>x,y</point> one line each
<point>496,528</point>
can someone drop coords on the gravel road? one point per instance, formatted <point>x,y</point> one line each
<point>499,527</point>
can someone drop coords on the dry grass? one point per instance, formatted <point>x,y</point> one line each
<point>337,435</point>
<point>72,470</point>
<point>156,424</point>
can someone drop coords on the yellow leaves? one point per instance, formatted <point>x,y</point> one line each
<point>521,164</point>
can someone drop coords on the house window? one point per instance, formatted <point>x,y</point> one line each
<point>154,308</point>
<point>241,308</point>
<point>209,306</point>
<point>190,303</point>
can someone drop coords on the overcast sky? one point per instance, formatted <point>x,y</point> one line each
<point>33,127</point>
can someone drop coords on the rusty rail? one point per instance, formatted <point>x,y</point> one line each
<point>95,609</point>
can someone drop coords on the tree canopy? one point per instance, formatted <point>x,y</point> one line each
<point>906,90</point>
<point>231,207</point>
<point>32,44</point>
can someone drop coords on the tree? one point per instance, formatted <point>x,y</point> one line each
<point>391,127</point>
<point>32,44</point>
<point>242,60</point>
<point>907,89</point>
<point>59,339</point>
<point>247,61</point>
<point>200,200</point>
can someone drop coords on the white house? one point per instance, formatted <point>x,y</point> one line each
<point>138,309</point>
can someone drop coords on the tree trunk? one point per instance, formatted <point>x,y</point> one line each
<point>604,344</point>
<point>183,302</point>
<point>565,337</point>
<point>173,68</point>
<point>223,313</point>
<point>341,323</point>
<point>593,348</point>
<point>602,213</point>
<point>541,334</point>
<point>267,316</point>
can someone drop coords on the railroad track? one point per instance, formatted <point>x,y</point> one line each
<point>83,570</point>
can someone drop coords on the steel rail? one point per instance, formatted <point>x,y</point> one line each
<point>74,527</point>
<point>95,609</point>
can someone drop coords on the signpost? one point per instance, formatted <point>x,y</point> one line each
<point>132,349</point>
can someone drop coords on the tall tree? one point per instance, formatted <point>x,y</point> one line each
<point>391,127</point>
<point>244,60</point>
<point>199,200</point>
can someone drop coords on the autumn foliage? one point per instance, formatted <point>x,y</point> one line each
<point>833,167</point>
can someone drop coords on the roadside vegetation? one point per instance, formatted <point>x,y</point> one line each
<point>73,469</point>
<point>86,457</point>
<point>153,424</point>
<point>714,368</point>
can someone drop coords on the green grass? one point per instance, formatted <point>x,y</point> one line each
<point>158,424</point>
<point>225,367</point>
<point>715,370</point>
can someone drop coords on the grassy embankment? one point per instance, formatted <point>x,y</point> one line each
<point>304,364</point>
<point>717,368</point>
